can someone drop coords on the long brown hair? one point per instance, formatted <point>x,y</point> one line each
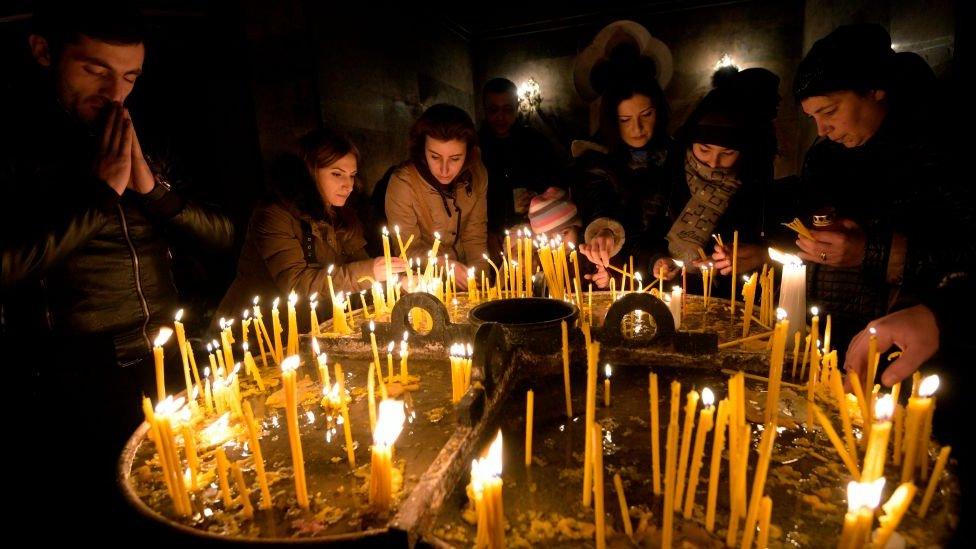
<point>443,122</point>
<point>295,175</point>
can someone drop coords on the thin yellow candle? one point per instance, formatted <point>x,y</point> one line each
<point>388,428</point>
<point>848,459</point>
<point>940,464</point>
<point>735,268</point>
<point>705,421</point>
<point>759,483</point>
<point>765,513</point>
<point>624,508</point>
<point>749,301</point>
<point>529,409</point>
<point>388,267</point>
<point>894,510</point>
<point>606,385</point>
<point>313,316</point>
<point>877,448</point>
<point>255,444</point>
<point>592,357</point>
<point>691,407</point>
<point>718,445</point>
<point>244,496</point>
<point>252,368</point>
<point>601,516</point>
<point>655,434</point>
<point>223,477</point>
<point>486,484</point>
<point>192,460</point>
<point>837,388</point>
<point>321,360</point>
<point>404,352</point>
<point>796,353</point>
<point>564,327</point>
<point>814,337</point>
<point>261,332</point>
<point>371,395</point>
<point>346,426</point>
<point>292,346</point>
<point>181,341</point>
<point>389,361</point>
<point>159,359</point>
<point>276,328</point>
<point>288,374</point>
<point>916,415</point>
<point>826,340</point>
<point>776,365</point>
<point>670,467</point>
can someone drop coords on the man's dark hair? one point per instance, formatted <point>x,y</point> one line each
<point>499,85</point>
<point>63,22</point>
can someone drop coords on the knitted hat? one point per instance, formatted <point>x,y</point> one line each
<point>740,106</point>
<point>551,211</point>
<point>852,57</point>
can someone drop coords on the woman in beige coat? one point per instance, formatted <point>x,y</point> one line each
<point>442,189</point>
<point>304,229</point>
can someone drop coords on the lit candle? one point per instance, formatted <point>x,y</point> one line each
<point>690,407</point>
<point>718,445</point>
<point>472,286</point>
<point>276,328</point>
<point>292,347</point>
<point>675,305</point>
<point>404,352</point>
<point>261,331</point>
<point>288,367</point>
<point>916,414</point>
<point>606,385</point>
<point>780,332</point>
<point>862,500</point>
<point>339,324</point>
<point>826,344</point>
<point>486,485</point>
<point>814,337</point>
<point>705,421</point>
<point>670,466</point>
<point>161,420</point>
<point>877,449</point>
<point>371,395</point>
<point>529,409</point>
<point>388,267</point>
<point>312,314</point>
<point>192,460</point>
<point>592,357</point>
<point>793,286</point>
<point>161,339</point>
<point>400,246</point>
<point>321,360</point>
<point>388,428</point>
<point>226,338</point>
<point>223,477</point>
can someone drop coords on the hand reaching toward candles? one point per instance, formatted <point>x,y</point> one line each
<point>601,278</point>
<point>599,249</point>
<point>379,267</point>
<point>837,248</point>
<point>666,267</point>
<point>913,330</point>
<point>750,257</point>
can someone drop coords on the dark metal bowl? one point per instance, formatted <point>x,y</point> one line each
<point>533,322</point>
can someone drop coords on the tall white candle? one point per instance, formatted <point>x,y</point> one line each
<point>793,288</point>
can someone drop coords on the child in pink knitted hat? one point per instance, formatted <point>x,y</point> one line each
<point>553,214</point>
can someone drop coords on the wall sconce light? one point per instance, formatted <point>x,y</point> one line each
<point>529,96</point>
<point>725,61</point>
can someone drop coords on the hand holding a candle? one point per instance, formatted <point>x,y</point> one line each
<point>599,249</point>
<point>750,258</point>
<point>666,268</point>
<point>843,247</point>
<point>379,267</point>
<point>913,330</point>
<point>601,278</point>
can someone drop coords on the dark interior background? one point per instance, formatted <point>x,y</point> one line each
<point>232,84</point>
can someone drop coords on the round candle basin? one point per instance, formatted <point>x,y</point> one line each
<point>531,322</point>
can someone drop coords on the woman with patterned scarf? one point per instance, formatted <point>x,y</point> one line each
<point>442,189</point>
<point>723,164</point>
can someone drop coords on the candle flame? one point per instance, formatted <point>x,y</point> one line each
<point>221,322</point>
<point>290,364</point>
<point>389,422</point>
<point>274,304</point>
<point>403,347</point>
<point>815,311</point>
<point>244,346</point>
<point>372,326</point>
<point>386,231</point>
<point>255,300</point>
<point>209,348</point>
<point>679,263</point>
<point>163,337</point>
<point>929,385</point>
<point>218,431</point>
<point>707,397</point>
<point>746,278</point>
<point>206,372</point>
<point>784,258</point>
<point>470,350</point>
<point>406,335</point>
<point>330,269</point>
<point>676,291</point>
<point>470,272</point>
<point>292,298</point>
<point>872,331</point>
<point>606,370</point>
<point>389,348</point>
<point>864,495</point>
<point>246,314</point>
<point>179,315</point>
<point>494,457</point>
<point>215,344</point>
<point>314,297</point>
<point>883,408</point>
<point>638,276</point>
<point>780,314</point>
<point>315,347</point>
<point>396,229</point>
<point>230,323</point>
<point>437,235</point>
